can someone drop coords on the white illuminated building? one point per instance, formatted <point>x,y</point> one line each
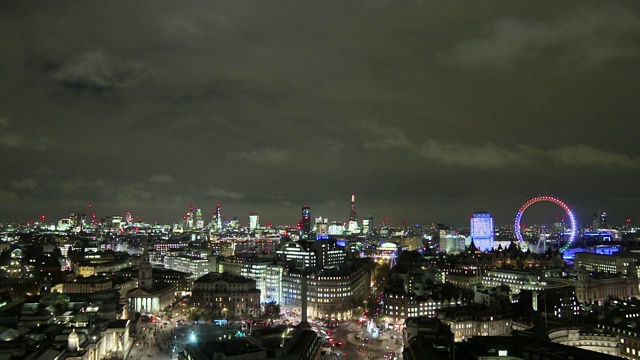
<point>188,264</point>
<point>254,221</point>
<point>319,253</point>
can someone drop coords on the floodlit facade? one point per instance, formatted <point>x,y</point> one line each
<point>331,294</point>
<point>188,264</point>
<point>482,233</point>
<point>470,321</point>
<point>516,280</point>
<point>228,295</point>
<point>312,254</point>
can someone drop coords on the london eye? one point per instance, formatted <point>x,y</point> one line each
<point>572,218</point>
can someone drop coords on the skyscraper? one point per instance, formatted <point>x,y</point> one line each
<point>353,216</point>
<point>482,231</point>
<point>305,221</point>
<point>254,221</point>
<point>216,219</point>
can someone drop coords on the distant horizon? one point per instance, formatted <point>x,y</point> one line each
<point>532,216</point>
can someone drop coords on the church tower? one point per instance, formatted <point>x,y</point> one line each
<point>145,276</point>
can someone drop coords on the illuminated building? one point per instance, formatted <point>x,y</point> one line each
<point>612,264</point>
<point>199,222</point>
<point>599,287</point>
<point>320,253</point>
<point>452,244</point>
<point>268,276</point>
<point>466,278</point>
<point>216,220</point>
<point>593,341</point>
<point>475,320</point>
<point>331,293</point>
<point>150,295</point>
<point>353,217</point>
<point>516,280</point>
<point>64,224</point>
<point>400,305</point>
<point>188,264</point>
<point>482,231</point>
<point>386,253</point>
<point>273,284</point>
<point>335,228</point>
<point>83,285</point>
<point>305,221</point>
<point>227,295</point>
<point>254,221</point>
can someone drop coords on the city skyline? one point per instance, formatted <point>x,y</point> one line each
<point>427,111</point>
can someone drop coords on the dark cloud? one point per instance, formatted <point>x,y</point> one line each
<point>428,111</point>
<point>97,71</point>
<point>585,37</point>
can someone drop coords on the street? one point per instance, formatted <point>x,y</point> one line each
<point>357,342</point>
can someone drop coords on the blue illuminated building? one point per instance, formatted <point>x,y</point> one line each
<point>482,231</point>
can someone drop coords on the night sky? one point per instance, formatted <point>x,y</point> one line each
<point>427,110</point>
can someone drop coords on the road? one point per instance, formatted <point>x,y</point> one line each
<point>355,347</point>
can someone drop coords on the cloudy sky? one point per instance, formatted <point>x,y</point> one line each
<point>427,110</point>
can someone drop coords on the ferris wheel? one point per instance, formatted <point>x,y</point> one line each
<point>546,198</point>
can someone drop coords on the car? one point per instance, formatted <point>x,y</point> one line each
<point>340,343</point>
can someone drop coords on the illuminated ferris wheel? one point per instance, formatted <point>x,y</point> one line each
<point>572,218</point>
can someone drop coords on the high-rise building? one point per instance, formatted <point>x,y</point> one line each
<point>595,223</point>
<point>353,217</point>
<point>322,254</point>
<point>305,221</point>
<point>254,221</point>
<point>216,220</point>
<point>199,224</point>
<point>603,220</point>
<point>482,231</point>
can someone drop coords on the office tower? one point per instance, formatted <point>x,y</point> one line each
<point>482,231</point>
<point>216,219</point>
<point>603,220</point>
<point>305,221</point>
<point>254,221</point>
<point>199,220</point>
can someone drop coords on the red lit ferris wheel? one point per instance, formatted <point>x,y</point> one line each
<point>572,218</point>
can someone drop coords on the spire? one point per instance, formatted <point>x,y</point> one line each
<point>145,271</point>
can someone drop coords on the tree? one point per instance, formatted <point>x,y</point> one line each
<point>194,315</point>
<point>271,310</point>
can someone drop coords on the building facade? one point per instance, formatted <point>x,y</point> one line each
<point>482,233</point>
<point>227,295</point>
<point>331,293</point>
